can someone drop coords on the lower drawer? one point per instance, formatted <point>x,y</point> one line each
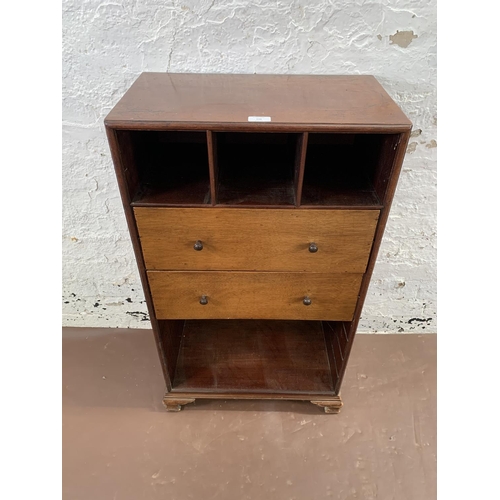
<point>250,295</point>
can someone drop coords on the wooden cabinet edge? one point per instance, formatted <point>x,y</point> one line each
<point>173,401</point>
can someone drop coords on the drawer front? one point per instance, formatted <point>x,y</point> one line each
<point>256,239</point>
<point>247,295</point>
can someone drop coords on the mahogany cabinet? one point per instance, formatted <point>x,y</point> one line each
<point>256,205</point>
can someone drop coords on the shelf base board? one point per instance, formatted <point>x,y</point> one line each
<point>175,401</point>
<point>255,357</point>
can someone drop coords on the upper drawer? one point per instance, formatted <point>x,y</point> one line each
<point>256,239</point>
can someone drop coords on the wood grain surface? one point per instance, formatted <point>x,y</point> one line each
<point>248,295</point>
<point>253,356</point>
<point>256,239</point>
<point>169,98</point>
<point>324,172</point>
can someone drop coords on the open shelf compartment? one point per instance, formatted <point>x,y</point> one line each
<point>172,167</point>
<point>251,356</point>
<point>344,170</point>
<point>256,168</point>
<point>249,169</point>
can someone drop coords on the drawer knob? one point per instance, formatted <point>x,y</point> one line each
<point>307,301</point>
<point>204,300</point>
<point>313,248</point>
<point>198,245</point>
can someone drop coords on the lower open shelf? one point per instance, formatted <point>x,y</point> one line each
<point>253,356</point>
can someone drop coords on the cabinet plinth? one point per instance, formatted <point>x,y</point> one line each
<point>256,239</point>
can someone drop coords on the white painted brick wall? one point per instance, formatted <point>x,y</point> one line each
<point>108,44</point>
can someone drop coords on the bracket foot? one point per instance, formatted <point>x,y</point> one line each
<point>331,406</point>
<point>172,404</point>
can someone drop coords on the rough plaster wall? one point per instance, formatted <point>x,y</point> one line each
<point>106,45</point>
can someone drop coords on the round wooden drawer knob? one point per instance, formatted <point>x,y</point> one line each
<point>198,246</point>
<point>313,248</point>
<point>204,300</point>
<point>307,301</point>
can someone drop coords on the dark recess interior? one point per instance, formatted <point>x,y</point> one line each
<point>256,168</point>
<point>173,167</point>
<point>250,356</point>
<point>340,169</point>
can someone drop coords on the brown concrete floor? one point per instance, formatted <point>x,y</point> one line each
<point>120,444</point>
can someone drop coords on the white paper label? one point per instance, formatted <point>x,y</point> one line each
<point>259,118</point>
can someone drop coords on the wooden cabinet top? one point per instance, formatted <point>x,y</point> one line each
<point>168,100</point>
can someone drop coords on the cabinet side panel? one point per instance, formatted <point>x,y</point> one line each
<point>337,336</point>
<point>170,337</point>
<point>125,141</point>
<point>125,190</point>
<point>395,169</point>
<point>384,168</point>
<point>329,329</point>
